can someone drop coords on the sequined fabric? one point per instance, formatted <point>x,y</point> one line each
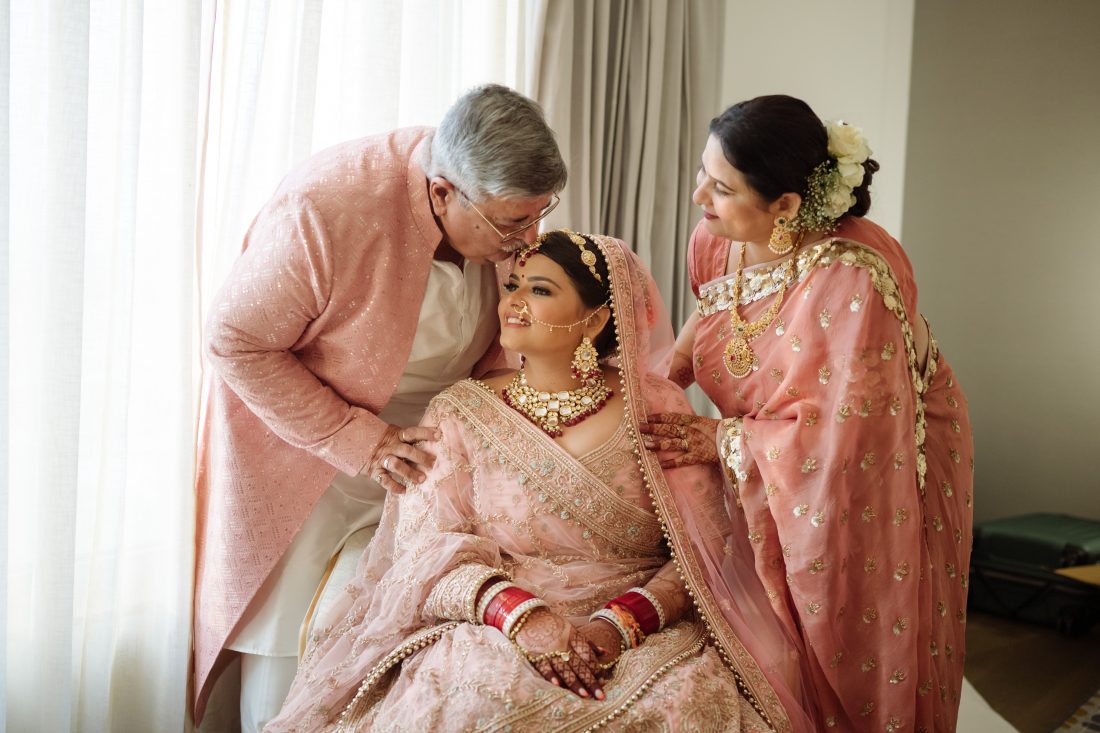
<point>390,653</point>
<point>502,495</point>
<point>306,342</point>
<point>853,468</point>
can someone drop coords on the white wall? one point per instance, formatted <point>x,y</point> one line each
<point>1002,193</point>
<point>848,59</point>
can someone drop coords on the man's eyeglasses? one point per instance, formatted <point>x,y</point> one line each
<point>506,239</point>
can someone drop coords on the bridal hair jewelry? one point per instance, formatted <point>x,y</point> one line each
<point>586,361</point>
<point>588,257</point>
<point>739,357</point>
<point>552,411</point>
<point>781,241</point>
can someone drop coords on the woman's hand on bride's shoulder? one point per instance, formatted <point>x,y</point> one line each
<point>559,653</point>
<point>688,439</point>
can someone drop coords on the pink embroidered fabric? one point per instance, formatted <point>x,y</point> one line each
<point>852,466</point>
<point>306,341</point>
<point>394,654</point>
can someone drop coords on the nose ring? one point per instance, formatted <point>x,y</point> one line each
<point>520,307</point>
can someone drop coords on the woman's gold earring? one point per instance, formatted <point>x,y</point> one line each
<point>586,361</point>
<point>781,241</point>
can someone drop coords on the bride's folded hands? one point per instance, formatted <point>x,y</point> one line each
<point>560,653</point>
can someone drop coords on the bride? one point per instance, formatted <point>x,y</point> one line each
<point>547,575</point>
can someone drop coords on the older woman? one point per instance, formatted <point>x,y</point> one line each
<point>846,436</point>
<point>539,579</point>
<point>365,287</point>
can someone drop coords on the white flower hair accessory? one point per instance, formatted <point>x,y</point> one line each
<point>829,187</point>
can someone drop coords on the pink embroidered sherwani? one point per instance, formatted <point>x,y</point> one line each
<point>854,471</point>
<point>307,341</point>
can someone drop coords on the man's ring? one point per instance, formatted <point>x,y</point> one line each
<point>386,463</point>
<point>378,478</point>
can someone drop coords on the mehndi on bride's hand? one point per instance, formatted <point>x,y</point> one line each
<point>691,438</point>
<point>560,654</point>
<point>606,640</point>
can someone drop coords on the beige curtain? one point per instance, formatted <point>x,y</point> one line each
<point>630,86</point>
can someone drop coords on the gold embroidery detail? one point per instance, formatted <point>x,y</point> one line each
<point>868,460</point>
<point>900,515</point>
<point>823,375</point>
<point>951,401</point>
<point>793,392</point>
<point>811,420</point>
<point>813,607</point>
<point>899,461</point>
<point>868,708</point>
<point>947,490</point>
<point>809,465</point>
<point>955,425</point>
<point>937,523</point>
<point>888,351</point>
<point>895,405</point>
<point>871,565</point>
<point>801,509</point>
<point>868,513</point>
<point>835,661</point>
<point>776,374</point>
<point>825,318</point>
<point>870,615</point>
<point>900,625</point>
<point>855,303</point>
<point>898,677</point>
<point>868,664</point>
<point>901,571</point>
<point>844,412</point>
<point>773,453</point>
<point>816,566</point>
<point>955,455</point>
<point>817,519</point>
<point>796,343</point>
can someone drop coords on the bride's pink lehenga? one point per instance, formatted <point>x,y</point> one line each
<point>400,651</point>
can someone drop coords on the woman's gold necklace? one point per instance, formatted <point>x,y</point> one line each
<point>739,356</point>
<point>552,411</point>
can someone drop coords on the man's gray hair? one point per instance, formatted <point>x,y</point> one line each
<point>494,142</point>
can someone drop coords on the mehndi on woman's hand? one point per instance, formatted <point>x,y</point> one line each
<point>560,654</point>
<point>691,439</point>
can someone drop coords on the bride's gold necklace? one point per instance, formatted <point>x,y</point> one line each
<point>739,356</point>
<point>552,411</point>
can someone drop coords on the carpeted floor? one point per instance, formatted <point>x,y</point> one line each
<point>1034,677</point>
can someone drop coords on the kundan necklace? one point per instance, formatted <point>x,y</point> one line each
<point>552,411</point>
<point>739,356</point>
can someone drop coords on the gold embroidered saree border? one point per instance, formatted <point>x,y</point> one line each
<point>623,525</point>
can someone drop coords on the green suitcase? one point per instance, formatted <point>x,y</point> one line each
<point>1012,570</point>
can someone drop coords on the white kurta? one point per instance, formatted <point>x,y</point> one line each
<point>456,325</point>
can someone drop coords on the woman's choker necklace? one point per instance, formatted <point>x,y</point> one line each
<point>552,411</point>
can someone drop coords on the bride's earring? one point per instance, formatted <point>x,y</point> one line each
<point>586,361</point>
<point>781,241</point>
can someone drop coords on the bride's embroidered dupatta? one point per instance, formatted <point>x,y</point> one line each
<point>503,497</point>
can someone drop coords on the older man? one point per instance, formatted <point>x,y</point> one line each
<point>366,285</point>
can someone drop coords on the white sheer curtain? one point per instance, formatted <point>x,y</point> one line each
<point>137,140</point>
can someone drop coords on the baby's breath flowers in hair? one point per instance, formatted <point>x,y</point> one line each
<point>829,187</point>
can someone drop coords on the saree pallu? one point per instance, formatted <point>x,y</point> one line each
<point>852,464</point>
